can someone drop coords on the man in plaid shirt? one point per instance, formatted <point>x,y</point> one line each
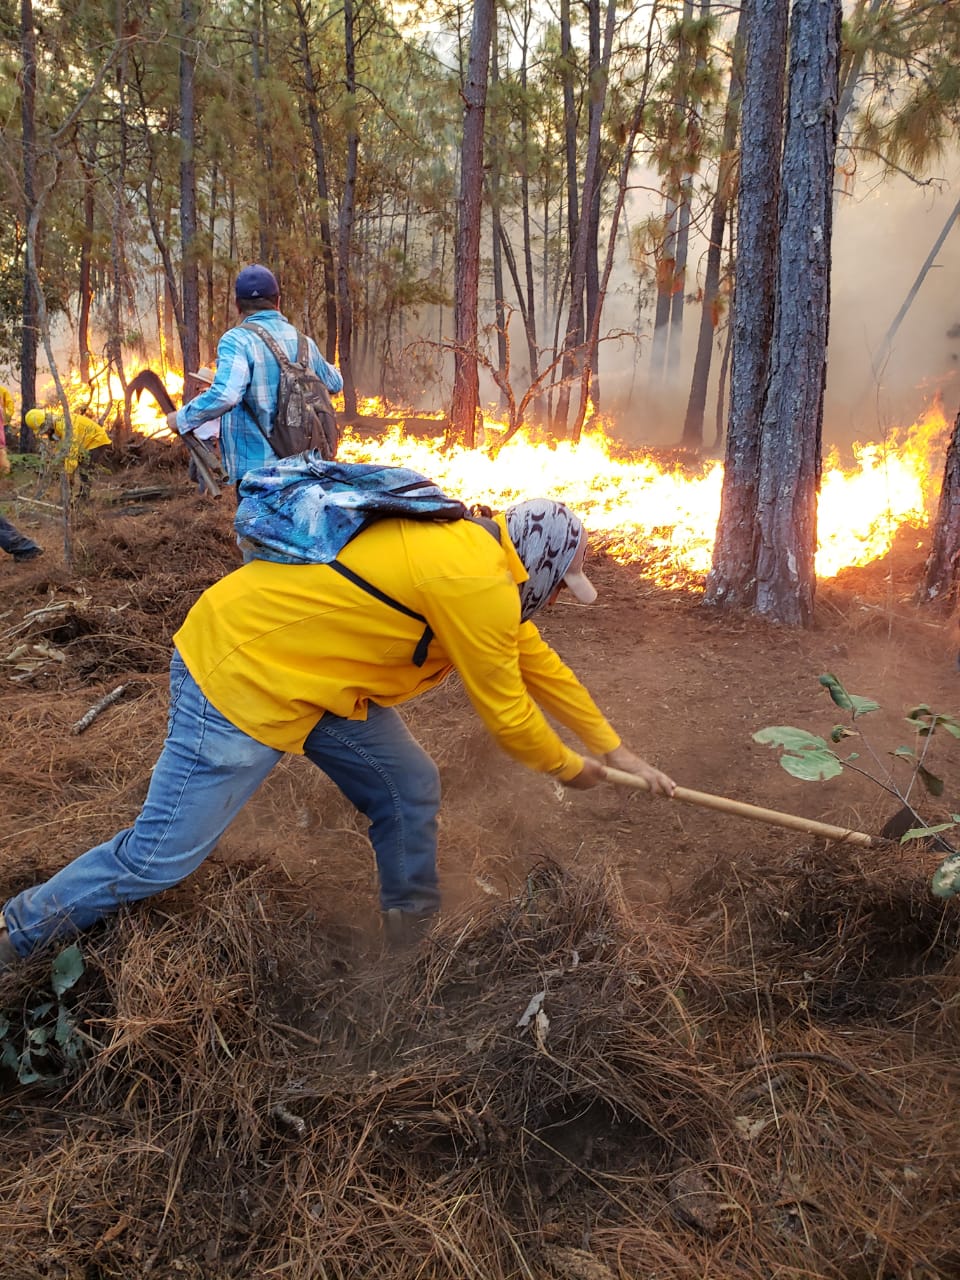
<point>244,392</point>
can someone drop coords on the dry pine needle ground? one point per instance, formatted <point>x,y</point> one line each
<point>260,1094</point>
<point>759,1078</point>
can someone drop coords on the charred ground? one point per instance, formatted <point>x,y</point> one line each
<point>746,1062</point>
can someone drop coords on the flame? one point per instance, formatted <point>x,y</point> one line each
<point>664,515</point>
<point>661,514</point>
<point>103,397</point>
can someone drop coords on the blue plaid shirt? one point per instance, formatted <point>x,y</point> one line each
<point>244,392</point>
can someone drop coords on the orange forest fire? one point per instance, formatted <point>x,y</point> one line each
<point>645,508</point>
<point>670,513</point>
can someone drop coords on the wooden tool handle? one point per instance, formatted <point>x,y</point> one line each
<point>705,800</point>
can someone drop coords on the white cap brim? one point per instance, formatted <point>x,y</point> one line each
<point>581,587</point>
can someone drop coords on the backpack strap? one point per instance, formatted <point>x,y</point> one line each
<point>281,357</point>
<point>420,652</point>
<point>270,342</point>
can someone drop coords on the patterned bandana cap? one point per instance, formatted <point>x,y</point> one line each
<point>546,535</point>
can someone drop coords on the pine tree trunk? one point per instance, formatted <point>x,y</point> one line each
<point>666,269</point>
<point>466,381</point>
<point>210,310</point>
<point>699,383</point>
<point>30,332</point>
<point>530,311</point>
<point>792,423</point>
<point>84,285</point>
<point>499,304</point>
<point>347,215</point>
<point>569,127</point>
<point>675,336</point>
<point>189,271</point>
<point>118,261</point>
<point>259,59</point>
<point>323,195</point>
<point>591,209</point>
<point>574,355</point>
<point>732,578</point>
<point>942,573</point>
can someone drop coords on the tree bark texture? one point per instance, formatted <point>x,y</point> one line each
<point>574,359</point>
<point>84,285</point>
<point>323,197</point>
<point>731,581</point>
<point>530,310</point>
<point>792,423</point>
<point>496,247</point>
<point>190,276</point>
<point>942,573</point>
<point>700,379</point>
<point>347,215</point>
<point>466,379</point>
<point>591,208</point>
<point>30,332</point>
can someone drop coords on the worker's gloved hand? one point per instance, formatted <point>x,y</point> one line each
<point>172,422</point>
<point>591,775</point>
<point>622,757</point>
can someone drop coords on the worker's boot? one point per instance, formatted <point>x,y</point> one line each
<point>404,929</point>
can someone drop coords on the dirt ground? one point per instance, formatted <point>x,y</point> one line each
<point>685,686</point>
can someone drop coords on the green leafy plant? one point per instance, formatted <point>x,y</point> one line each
<point>47,1045</point>
<point>812,758</point>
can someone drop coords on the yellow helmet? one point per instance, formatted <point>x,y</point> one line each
<point>35,418</point>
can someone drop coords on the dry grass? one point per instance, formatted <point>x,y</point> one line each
<point>265,1096</point>
<point>759,1080</point>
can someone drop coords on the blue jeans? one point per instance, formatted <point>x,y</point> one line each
<point>207,771</point>
<point>17,543</point>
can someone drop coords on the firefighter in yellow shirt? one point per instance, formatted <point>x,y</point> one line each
<point>316,659</point>
<point>6,420</point>
<point>88,444</point>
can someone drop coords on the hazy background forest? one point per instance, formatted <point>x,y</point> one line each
<point>149,149</point>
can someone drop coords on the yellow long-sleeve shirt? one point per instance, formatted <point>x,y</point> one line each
<point>87,434</point>
<point>274,646</point>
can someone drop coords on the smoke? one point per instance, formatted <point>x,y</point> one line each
<point>881,241</point>
<point>883,231</point>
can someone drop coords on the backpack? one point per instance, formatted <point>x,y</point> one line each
<point>304,417</point>
<point>305,510</point>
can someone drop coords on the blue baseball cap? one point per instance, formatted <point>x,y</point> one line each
<point>256,282</point>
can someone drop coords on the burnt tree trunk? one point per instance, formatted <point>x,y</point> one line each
<point>466,378</point>
<point>792,423</point>
<point>942,572</point>
<point>732,581</point>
